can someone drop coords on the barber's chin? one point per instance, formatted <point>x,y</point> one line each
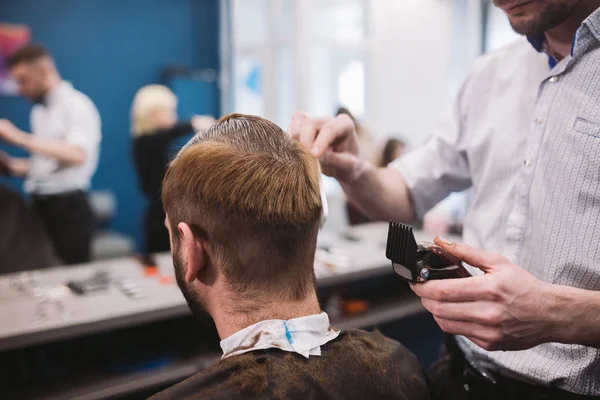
<point>526,25</point>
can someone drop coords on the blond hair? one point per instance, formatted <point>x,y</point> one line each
<point>147,99</point>
<point>252,192</point>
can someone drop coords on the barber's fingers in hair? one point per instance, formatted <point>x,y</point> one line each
<point>298,118</point>
<point>331,131</point>
<point>310,129</point>
<point>338,164</point>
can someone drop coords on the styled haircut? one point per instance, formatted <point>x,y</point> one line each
<point>147,99</point>
<point>253,193</point>
<point>27,54</point>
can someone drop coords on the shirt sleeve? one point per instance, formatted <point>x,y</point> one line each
<point>83,126</point>
<point>439,166</point>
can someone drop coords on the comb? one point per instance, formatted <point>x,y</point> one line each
<point>402,249</point>
<point>421,261</point>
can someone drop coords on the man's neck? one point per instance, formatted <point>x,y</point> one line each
<point>560,39</point>
<point>52,84</point>
<point>230,318</point>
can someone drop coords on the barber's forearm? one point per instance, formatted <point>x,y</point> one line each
<point>57,149</point>
<point>577,314</point>
<point>381,193</point>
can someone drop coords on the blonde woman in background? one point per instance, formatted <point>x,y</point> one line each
<point>154,127</point>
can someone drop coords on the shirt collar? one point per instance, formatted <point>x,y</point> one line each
<point>304,335</point>
<point>591,24</point>
<point>55,94</point>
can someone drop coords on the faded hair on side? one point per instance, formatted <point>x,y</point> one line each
<point>253,194</point>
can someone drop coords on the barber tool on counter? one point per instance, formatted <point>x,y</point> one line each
<point>418,262</point>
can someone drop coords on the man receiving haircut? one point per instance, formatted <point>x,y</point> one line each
<point>243,209</point>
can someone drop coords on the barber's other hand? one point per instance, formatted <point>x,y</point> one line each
<point>10,133</point>
<point>333,140</point>
<point>505,309</point>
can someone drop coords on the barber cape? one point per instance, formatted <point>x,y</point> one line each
<point>306,358</point>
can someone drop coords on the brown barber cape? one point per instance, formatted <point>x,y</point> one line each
<point>356,365</point>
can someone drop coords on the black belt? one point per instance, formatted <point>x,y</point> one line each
<point>479,383</point>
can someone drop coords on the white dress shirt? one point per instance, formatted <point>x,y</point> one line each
<point>525,134</point>
<point>70,116</point>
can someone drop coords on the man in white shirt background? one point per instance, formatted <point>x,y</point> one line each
<point>64,146</point>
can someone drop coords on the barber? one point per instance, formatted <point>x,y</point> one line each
<point>64,147</point>
<point>524,132</point>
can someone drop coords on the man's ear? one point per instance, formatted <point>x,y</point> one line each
<point>193,251</point>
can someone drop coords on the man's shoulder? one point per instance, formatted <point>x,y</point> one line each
<point>357,343</point>
<point>374,339</point>
<point>518,48</point>
<point>203,385</point>
<point>518,55</point>
<point>372,362</point>
<point>78,101</point>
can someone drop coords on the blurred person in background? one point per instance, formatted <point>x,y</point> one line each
<point>524,133</point>
<point>368,146</point>
<point>64,147</point>
<point>154,127</point>
<point>368,151</point>
<point>392,150</point>
<point>243,206</point>
<point>24,243</point>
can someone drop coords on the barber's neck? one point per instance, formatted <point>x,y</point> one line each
<point>232,315</point>
<point>560,39</point>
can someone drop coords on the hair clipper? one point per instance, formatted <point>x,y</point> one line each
<point>417,262</point>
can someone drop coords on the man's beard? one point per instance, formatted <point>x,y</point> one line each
<point>195,303</point>
<point>550,17</point>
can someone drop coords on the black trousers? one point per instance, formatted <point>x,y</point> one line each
<point>156,236</point>
<point>454,378</point>
<point>69,221</point>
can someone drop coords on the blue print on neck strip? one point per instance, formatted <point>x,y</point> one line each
<point>288,335</point>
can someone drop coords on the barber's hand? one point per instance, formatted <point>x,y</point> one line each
<point>10,133</point>
<point>505,309</point>
<point>333,140</point>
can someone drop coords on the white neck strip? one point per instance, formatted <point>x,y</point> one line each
<point>304,335</point>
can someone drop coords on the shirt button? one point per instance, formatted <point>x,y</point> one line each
<point>538,121</point>
<point>527,163</point>
<point>553,78</point>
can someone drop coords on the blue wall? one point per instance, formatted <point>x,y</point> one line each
<point>108,49</point>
